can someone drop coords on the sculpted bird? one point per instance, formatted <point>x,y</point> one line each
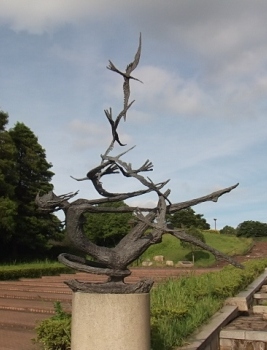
<point>114,125</point>
<point>127,76</point>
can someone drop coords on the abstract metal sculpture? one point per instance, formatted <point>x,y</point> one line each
<point>114,262</point>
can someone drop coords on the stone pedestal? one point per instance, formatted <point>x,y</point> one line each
<point>110,321</point>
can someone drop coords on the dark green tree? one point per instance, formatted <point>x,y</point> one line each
<point>193,231</point>
<point>8,208</point>
<point>228,230</point>
<point>188,218</point>
<point>107,229</point>
<point>251,229</point>
<point>31,230</point>
<point>7,159</point>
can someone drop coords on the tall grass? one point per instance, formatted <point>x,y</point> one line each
<point>180,306</point>
<point>228,244</point>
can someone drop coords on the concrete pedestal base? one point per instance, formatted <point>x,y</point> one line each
<point>110,321</point>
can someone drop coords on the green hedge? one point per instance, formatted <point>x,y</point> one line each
<point>31,272</point>
<point>178,307</point>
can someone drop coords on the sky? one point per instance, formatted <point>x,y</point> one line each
<point>199,116</point>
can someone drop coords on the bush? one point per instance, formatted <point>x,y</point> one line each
<point>195,232</point>
<point>252,229</point>
<point>54,333</point>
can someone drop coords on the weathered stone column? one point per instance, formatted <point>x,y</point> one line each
<point>110,321</point>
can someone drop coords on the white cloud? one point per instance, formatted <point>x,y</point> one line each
<point>38,16</point>
<point>205,23</point>
<point>170,92</point>
<point>200,115</point>
<point>86,135</point>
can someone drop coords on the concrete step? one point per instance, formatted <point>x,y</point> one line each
<point>259,309</point>
<point>264,288</point>
<point>260,296</point>
<point>244,333</point>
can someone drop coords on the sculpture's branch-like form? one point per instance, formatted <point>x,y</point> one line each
<point>126,170</point>
<point>114,262</point>
<point>214,196</point>
<point>49,202</point>
<point>182,235</point>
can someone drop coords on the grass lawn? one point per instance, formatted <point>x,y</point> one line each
<point>171,249</point>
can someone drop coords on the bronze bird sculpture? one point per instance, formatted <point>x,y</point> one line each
<point>127,76</point>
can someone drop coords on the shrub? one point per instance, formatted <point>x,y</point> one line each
<point>54,333</point>
<point>195,232</point>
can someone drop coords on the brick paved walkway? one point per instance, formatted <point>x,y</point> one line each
<point>25,302</point>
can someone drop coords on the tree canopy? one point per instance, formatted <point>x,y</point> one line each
<point>251,229</point>
<point>24,171</point>
<point>228,230</point>
<point>8,177</point>
<point>107,229</point>
<point>188,218</point>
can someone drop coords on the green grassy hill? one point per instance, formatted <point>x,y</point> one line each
<point>171,249</point>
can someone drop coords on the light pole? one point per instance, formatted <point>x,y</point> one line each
<point>215,223</point>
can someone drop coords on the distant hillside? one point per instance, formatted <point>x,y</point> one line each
<point>171,249</point>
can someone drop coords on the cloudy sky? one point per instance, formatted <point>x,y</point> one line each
<point>200,115</point>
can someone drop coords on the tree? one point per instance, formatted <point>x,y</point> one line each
<point>8,176</point>
<point>228,230</point>
<point>188,218</point>
<point>193,231</point>
<point>8,212</point>
<point>7,159</point>
<point>251,229</point>
<point>107,229</point>
<point>23,172</point>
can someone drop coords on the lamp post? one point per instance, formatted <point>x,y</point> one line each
<point>215,223</point>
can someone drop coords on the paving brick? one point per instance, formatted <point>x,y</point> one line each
<point>20,319</point>
<point>35,295</point>
<point>29,305</point>
<point>13,339</point>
